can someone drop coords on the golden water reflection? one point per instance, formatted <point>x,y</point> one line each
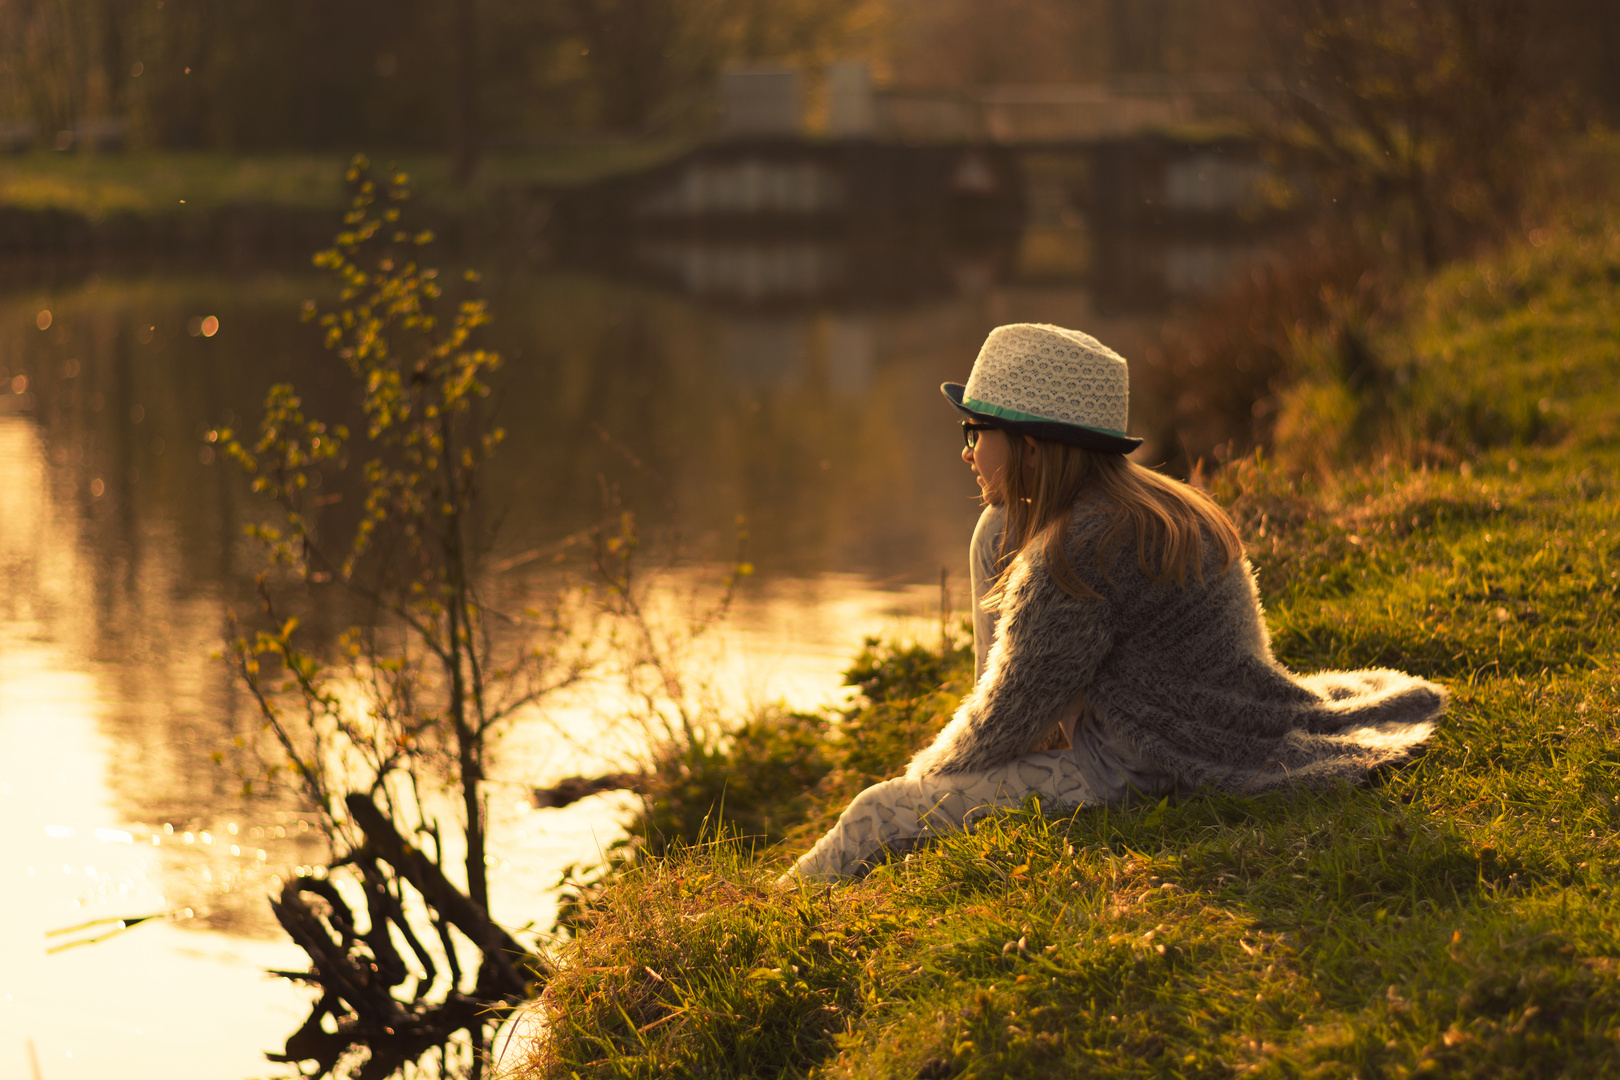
<point>121,555</point>
<point>72,853</point>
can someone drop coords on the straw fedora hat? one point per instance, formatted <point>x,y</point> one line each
<point>1052,383</point>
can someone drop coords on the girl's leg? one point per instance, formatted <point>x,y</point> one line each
<point>901,812</point>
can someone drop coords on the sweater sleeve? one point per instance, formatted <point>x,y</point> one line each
<point>983,559</point>
<point>1048,646</point>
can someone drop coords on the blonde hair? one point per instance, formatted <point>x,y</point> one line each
<point>1170,516</point>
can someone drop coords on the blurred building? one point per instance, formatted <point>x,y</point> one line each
<point>758,101</point>
<point>851,104</point>
<point>1065,112</point>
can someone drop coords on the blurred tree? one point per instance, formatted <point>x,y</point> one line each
<point>183,69</point>
<point>632,48</point>
<point>464,137</point>
<point>959,43</point>
<point>965,43</point>
<point>647,60</point>
<point>396,74</point>
<point>1425,117</point>
<point>1138,33</point>
<point>390,739</point>
<point>1445,82</point>
<point>45,55</point>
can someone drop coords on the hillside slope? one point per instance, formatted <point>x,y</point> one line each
<point>1460,918</point>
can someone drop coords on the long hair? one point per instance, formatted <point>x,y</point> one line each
<point>1167,517</point>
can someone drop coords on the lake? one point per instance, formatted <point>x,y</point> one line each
<point>710,393</point>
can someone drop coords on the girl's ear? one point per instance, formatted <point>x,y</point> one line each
<point>1030,458</point>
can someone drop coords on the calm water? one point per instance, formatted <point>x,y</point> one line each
<point>121,556</point>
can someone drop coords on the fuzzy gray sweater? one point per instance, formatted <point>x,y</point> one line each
<point>1184,675</point>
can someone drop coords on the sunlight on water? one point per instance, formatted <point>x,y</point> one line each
<point>783,642</point>
<point>784,387</point>
<point>68,859</point>
<point>112,815</point>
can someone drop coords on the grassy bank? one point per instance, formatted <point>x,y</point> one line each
<point>97,186</point>
<point>1459,919</point>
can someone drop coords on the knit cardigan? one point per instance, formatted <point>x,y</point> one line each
<point>1183,674</point>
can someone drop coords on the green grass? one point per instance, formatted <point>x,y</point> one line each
<point>96,186</point>
<point>1458,919</point>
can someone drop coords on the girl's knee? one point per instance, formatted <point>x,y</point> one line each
<point>886,793</point>
<point>926,805</point>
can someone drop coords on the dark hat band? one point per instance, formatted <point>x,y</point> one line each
<point>1056,430</point>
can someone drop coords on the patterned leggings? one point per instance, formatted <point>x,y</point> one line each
<point>898,814</point>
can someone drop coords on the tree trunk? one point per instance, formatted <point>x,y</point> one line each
<point>460,657</point>
<point>112,55</point>
<point>464,125</point>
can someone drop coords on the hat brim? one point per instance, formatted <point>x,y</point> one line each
<point>1073,434</point>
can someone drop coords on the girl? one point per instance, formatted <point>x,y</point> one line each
<point>1126,652</point>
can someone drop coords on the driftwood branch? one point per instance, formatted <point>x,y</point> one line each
<point>571,789</point>
<point>499,947</point>
<point>357,972</point>
<point>363,986</point>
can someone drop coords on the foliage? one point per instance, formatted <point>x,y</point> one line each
<point>697,764</point>
<point>782,774</point>
<point>306,75</point>
<point>889,672</point>
<point>1549,304</point>
<point>1427,116</point>
<point>646,63</point>
<point>1229,366</point>
<point>655,649</point>
<point>696,967</point>
<point>385,521</point>
<point>1331,350</point>
<point>1417,388</point>
<point>756,783</point>
<point>1411,134</point>
<point>908,692</point>
<point>779,774</point>
<point>1457,918</point>
<point>259,75</point>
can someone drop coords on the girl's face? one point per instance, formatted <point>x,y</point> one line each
<point>990,456</point>
<point>987,457</point>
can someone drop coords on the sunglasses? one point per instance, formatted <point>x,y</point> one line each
<point>970,432</point>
